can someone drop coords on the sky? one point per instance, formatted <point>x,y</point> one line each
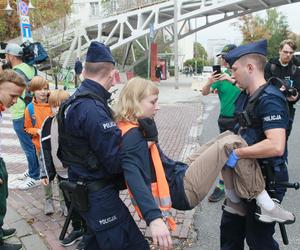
<point>291,11</point>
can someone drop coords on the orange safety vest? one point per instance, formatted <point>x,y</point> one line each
<point>160,188</point>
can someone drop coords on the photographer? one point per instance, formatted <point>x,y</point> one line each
<point>14,59</point>
<point>285,68</point>
<point>228,93</point>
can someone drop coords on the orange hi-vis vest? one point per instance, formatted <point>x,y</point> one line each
<point>160,188</point>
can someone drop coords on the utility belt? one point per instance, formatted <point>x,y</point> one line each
<point>79,191</point>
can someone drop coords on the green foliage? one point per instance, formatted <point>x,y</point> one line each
<point>274,28</point>
<point>277,26</point>
<point>296,38</point>
<point>141,69</point>
<point>199,51</point>
<point>196,62</point>
<point>44,12</point>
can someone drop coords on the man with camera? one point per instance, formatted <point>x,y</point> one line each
<point>228,93</point>
<point>284,67</point>
<point>14,59</point>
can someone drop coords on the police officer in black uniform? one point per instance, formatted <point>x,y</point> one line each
<point>263,127</point>
<point>89,144</point>
<point>285,68</point>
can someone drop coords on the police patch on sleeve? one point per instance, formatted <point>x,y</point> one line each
<point>271,118</point>
<point>107,125</point>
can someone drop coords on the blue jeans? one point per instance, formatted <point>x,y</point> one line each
<point>28,148</point>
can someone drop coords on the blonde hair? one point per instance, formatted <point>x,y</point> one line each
<point>57,97</point>
<point>128,106</point>
<point>38,83</point>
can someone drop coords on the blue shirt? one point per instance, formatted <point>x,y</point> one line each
<point>92,120</point>
<point>271,109</point>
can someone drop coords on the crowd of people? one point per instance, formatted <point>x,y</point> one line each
<point>97,150</point>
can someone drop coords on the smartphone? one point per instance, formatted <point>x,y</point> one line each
<point>216,69</point>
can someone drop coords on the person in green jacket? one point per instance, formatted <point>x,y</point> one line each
<point>13,56</point>
<point>228,93</point>
<point>11,87</point>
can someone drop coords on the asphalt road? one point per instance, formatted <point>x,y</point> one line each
<point>208,215</point>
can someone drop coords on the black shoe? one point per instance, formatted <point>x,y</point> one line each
<point>7,233</point>
<point>10,246</point>
<point>217,195</point>
<point>81,245</point>
<point>74,236</point>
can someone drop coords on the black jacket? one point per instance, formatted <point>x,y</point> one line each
<point>284,72</point>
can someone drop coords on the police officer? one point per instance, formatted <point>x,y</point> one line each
<point>285,68</point>
<point>263,127</point>
<point>89,144</point>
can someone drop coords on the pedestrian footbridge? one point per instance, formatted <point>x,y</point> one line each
<point>133,28</point>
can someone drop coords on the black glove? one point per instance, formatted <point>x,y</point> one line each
<point>148,128</point>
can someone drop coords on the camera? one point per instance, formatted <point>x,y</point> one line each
<point>2,50</point>
<point>3,62</point>
<point>284,85</point>
<point>291,91</point>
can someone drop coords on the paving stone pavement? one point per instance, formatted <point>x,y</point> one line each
<point>178,123</point>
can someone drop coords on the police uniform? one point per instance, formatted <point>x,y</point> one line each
<point>269,112</point>
<point>89,131</point>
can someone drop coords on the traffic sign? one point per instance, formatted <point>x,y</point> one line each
<point>23,7</point>
<point>24,19</point>
<point>26,29</point>
<point>26,32</point>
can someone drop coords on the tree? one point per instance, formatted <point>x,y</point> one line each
<point>45,12</point>
<point>199,51</point>
<point>276,24</point>
<point>273,27</point>
<point>296,38</point>
<point>200,58</point>
<point>252,28</point>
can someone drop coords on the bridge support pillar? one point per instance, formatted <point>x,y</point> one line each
<point>153,61</point>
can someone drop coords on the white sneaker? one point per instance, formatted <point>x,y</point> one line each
<point>29,183</point>
<point>277,214</point>
<point>23,176</point>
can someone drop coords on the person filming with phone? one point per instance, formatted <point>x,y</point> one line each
<point>227,91</point>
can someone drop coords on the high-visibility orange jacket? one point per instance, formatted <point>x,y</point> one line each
<point>160,192</point>
<point>41,112</point>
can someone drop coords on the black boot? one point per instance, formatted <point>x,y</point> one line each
<point>7,233</point>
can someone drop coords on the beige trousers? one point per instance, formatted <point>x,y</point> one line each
<point>208,160</point>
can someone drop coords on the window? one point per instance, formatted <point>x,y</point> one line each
<point>94,7</point>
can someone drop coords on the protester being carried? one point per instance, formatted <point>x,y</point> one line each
<point>157,183</point>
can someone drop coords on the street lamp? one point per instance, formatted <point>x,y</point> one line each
<point>9,10</point>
